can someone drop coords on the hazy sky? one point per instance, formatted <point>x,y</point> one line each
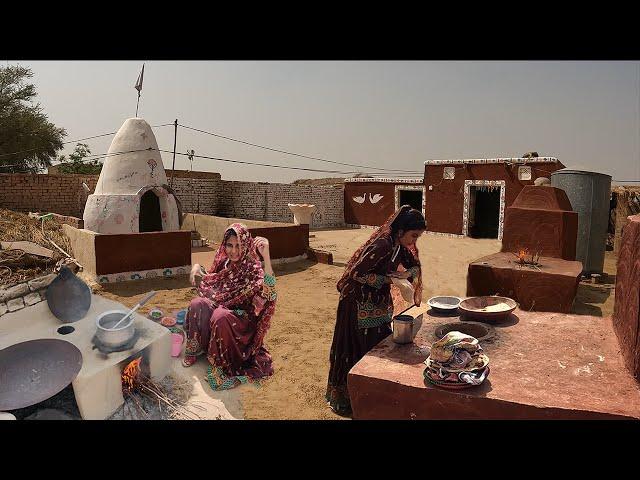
<point>392,114</point>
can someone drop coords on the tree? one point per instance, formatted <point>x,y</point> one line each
<point>24,127</point>
<point>77,163</point>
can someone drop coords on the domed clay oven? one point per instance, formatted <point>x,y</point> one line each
<point>132,195</point>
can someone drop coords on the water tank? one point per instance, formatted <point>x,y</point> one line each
<point>589,194</point>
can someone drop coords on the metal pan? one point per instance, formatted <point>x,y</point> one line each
<point>33,371</point>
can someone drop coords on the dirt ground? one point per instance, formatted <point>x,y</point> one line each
<point>302,327</point>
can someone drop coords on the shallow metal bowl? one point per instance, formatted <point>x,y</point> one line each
<point>444,303</point>
<point>488,308</point>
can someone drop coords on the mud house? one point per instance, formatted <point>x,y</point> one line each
<point>468,197</point>
<point>370,201</point>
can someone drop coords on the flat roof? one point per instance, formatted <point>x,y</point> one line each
<point>493,160</point>
<point>384,180</point>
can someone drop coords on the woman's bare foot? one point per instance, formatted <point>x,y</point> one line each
<point>189,360</point>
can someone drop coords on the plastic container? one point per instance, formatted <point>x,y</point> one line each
<point>176,344</point>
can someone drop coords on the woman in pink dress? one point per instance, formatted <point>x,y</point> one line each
<point>229,318</point>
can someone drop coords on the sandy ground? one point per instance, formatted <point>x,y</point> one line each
<point>302,327</point>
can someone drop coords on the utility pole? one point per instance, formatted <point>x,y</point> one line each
<point>175,139</point>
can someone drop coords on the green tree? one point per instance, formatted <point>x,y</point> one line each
<point>24,127</point>
<point>77,163</point>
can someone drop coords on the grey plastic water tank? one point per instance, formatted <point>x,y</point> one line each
<point>589,194</point>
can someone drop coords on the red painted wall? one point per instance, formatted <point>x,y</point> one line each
<point>142,251</point>
<point>444,204</point>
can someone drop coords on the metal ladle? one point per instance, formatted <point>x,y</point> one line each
<point>149,296</point>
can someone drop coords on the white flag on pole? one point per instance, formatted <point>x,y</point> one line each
<point>138,85</point>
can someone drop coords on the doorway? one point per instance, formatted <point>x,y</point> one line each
<point>484,211</point>
<point>410,197</point>
<point>150,218</point>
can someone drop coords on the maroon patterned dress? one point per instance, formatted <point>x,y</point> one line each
<point>227,322</point>
<point>364,312</point>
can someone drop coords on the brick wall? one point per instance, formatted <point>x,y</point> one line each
<point>268,201</point>
<point>197,195</point>
<point>61,194</point>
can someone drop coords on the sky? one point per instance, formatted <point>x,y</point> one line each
<point>386,114</point>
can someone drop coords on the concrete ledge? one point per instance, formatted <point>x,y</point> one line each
<point>536,373</point>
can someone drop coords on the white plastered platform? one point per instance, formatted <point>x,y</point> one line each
<point>97,387</point>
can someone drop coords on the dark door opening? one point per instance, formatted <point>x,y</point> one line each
<point>410,197</point>
<point>150,219</point>
<point>484,212</point>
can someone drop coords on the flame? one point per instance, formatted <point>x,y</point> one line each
<point>130,374</point>
<point>522,254</point>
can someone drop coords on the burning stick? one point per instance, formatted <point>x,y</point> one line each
<point>135,382</point>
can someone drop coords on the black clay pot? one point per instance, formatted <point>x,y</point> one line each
<point>68,297</point>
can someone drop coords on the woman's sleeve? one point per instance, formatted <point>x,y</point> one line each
<point>410,263</point>
<point>269,288</point>
<point>367,269</point>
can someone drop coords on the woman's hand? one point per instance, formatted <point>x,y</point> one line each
<point>262,246</point>
<point>403,275</point>
<point>195,273</point>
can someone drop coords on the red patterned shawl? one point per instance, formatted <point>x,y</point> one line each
<point>239,282</point>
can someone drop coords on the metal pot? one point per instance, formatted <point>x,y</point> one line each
<point>403,329</point>
<point>117,337</point>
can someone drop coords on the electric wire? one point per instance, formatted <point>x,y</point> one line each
<point>77,140</point>
<point>295,154</point>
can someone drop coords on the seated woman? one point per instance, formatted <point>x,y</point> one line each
<point>232,313</point>
<point>365,308</point>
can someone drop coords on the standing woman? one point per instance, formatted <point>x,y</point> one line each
<point>229,318</point>
<point>365,307</point>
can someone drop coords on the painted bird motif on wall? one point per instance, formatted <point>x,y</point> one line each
<point>376,198</point>
<point>360,199</point>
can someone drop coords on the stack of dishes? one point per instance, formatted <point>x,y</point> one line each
<point>456,361</point>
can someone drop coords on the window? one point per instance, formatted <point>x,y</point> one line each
<point>449,173</point>
<point>524,173</point>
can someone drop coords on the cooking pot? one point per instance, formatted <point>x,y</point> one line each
<point>403,329</point>
<point>114,337</point>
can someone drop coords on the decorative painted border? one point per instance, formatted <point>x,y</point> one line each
<point>142,274</point>
<point>442,234</point>
<point>355,225</point>
<point>438,234</point>
<point>385,180</point>
<point>483,183</point>
<point>493,160</point>
<point>396,194</point>
<point>278,261</point>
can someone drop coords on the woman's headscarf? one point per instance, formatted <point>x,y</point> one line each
<point>383,231</point>
<point>240,281</point>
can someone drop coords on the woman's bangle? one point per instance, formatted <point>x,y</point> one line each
<point>269,280</point>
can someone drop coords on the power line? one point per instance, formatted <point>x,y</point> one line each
<point>79,140</point>
<point>262,164</point>
<point>295,154</point>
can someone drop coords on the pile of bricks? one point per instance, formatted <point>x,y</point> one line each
<point>24,294</point>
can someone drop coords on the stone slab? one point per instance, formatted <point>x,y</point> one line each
<point>14,292</point>
<point>550,288</point>
<point>15,304</point>
<point>97,386</point>
<point>32,298</point>
<point>543,366</point>
<point>42,282</point>
<point>3,308</point>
